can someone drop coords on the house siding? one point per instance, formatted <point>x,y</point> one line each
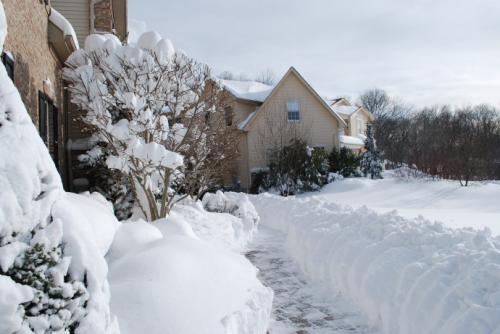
<point>353,123</point>
<point>317,126</point>
<point>78,13</point>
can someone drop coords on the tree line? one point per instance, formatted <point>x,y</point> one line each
<point>460,143</point>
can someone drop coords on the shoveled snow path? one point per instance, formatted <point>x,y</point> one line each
<point>301,306</point>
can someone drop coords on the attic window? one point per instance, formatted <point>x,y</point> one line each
<point>293,110</point>
<point>228,116</point>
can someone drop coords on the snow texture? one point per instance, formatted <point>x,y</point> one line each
<point>300,305</point>
<point>351,142</point>
<point>62,23</point>
<point>185,274</point>
<point>34,210</point>
<point>407,276</point>
<point>247,90</point>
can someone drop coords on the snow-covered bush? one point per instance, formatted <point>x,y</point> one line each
<point>52,278</point>
<point>345,162</point>
<point>297,168</point>
<point>235,204</point>
<point>371,162</point>
<point>155,117</point>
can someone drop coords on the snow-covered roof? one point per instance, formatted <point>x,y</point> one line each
<point>351,142</point>
<point>247,90</point>
<point>62,23</point>
<point>346,110</point>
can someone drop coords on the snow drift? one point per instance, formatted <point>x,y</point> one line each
<point>407,276</point>
<point>52,272</point>
<point>185,274</point>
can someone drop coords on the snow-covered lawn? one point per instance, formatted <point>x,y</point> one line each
<point>477,205</point>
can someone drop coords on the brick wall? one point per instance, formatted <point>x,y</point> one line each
<point>27,40</point>
<point>35,61</point>
<point>103,16</point>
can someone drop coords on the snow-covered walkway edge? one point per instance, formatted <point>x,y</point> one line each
<point>407,276</point>
<point>187,274</point>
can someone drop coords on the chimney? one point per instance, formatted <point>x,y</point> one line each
<point>102,11</point>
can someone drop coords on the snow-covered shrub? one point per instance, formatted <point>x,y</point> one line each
<point>371,162</point>
<point>52,279</point>
<point>344,162</point>
<point>236,204</point>
<point>156,117</point>
<point>297,168</point>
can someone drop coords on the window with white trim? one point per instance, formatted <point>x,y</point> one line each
<point>293,109</point>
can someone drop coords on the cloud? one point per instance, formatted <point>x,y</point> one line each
<point>424,51</point>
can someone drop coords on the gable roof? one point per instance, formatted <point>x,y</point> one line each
<point>346,109</point>
<point>293,71</point>
<point>247,90</point>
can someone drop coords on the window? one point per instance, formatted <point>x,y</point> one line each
<point>8,62</point>
<point>293,110</point>
<point>49,125</point>
<point>228,115</point>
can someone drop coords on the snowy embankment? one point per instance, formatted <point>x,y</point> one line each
<point>407,276</point>
<point>53,276</point>
<point>186,274</point>
<point>442,200</point>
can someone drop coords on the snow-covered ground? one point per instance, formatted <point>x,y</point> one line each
<point>300,305</point>
<point>407,276</point>
<point>477,205</point>
<point>187,274</point>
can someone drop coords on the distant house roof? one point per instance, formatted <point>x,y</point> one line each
<point>346,110</point>
<point>247,90</point>
<point>256,92</point>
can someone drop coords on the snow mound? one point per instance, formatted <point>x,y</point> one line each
<point>62,23</point>
<point>189,281</point>
<point>236,204</point>
<point>53,273</point>
<point>407,276</point>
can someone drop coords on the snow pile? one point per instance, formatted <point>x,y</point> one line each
<point>185,275</point>
<point>52,272</point>
<point>407,276</point>
<point>62,23</point>
<point>247,90</point>
<point>236,204</point>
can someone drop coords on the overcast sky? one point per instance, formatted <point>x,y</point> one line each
<point>422,51</point>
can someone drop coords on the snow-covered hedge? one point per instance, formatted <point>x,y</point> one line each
<point>237,205</point>
<point>185,274</point>
<point>407,276</point>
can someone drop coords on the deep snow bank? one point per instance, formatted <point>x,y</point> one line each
<point>407,276</point>
<point>185,275</point>
<point>443,200</point>
<point>52,274</point>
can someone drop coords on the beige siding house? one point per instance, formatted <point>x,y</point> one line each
<point>357,119</point>
<point>269,117</point>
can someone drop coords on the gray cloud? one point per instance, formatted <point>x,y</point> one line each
<point>426,52</point>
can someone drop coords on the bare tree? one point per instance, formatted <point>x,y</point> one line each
<point>267,77</point>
